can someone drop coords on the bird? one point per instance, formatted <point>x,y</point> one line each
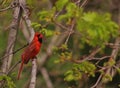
<point>31,51</point>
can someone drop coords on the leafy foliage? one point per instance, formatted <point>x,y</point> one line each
<point>71,11</point>
<point>95,26</point>
<point>72,75</point>
<point>79,69</point>
<point>110,63</point>
<point>95,29</point>
<point>106,78</point>
<point>8,81</point>
<point>91,28</point>
<point>43,30</point>
<point>60,4</point>
<point>63,53</point>
<point>118,70</point>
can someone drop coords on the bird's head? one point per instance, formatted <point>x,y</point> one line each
<point>39,36</point>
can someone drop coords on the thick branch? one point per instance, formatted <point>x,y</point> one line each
<point>33,74</point>
<point>11,39</point>
<point>28,22</point>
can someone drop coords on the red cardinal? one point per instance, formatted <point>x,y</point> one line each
<point>31,51</point>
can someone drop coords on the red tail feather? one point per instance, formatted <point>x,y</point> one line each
<point>20,70</point>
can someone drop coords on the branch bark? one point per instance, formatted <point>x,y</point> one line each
<point>28,23</point>
<point>11,40</point>
<point>33,74</point>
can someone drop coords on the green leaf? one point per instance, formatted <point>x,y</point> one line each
<point>106,78</point>
<point>8,81</point>
<point>89,17</point>
<point>63,47</point>
<point>71,9</point>
<point>47,32</point>
<point>111,62</point>
<point>79,69</point>
<point>69,76</point>
<point>86,67</point>
<point>60,4</point>
<point>36,25</point>
<point>57,61</point>
<point>118,70</point>
<point>95,26</point>
<point>45,15</point>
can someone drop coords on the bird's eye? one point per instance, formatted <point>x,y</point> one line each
<point>40,40</point>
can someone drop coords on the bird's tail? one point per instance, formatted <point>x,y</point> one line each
<point>20,70</point>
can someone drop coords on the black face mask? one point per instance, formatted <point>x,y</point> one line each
<point>40,40</point>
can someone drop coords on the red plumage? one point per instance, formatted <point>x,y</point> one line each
<point>31,50</point>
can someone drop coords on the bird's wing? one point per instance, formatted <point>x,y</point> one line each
<point>29,52</point>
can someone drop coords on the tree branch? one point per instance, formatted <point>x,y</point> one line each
<point>28,23</point>
<point>11,39</point>
<point>98,80</point>
<point>89,57</point>
<point>14,51</point>
<point>46,77</point>
<point>83,4</point>
<point>33,73</point>
<point>13,4</point>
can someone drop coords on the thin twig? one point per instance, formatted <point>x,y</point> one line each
<point>112,44</point>
<point>85,1</point>
<point>113,56</point>
<point>13,67</point>
<point>89,57</point>
<point>72,26</point>
<point>9,7</point>
<point>13,4</point>
<point>98,80</point>
<point>58,13</point>
<point>93,53</point>
<point>59,25</point>
<point>46,77</point>
<point>99,59</point>
<point>14,51</point>
<point>78,2</point>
